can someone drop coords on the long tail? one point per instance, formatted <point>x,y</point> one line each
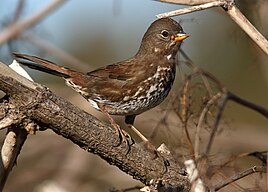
<point>42,65</point>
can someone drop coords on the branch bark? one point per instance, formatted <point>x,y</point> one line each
<point>13,143</point>
<point>32,102</point>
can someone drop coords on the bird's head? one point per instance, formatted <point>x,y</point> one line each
<point>163,35</point>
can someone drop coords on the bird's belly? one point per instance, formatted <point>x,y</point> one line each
<point>136,104</point>
<point>146,95</point>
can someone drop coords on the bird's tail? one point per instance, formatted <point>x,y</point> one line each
<point>42,65</point>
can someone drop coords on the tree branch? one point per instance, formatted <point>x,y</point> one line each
<point>187,2</point>
<point>11,148</point>
<point>255,169</point>
<point>193,9</point>
<point>31,101</point>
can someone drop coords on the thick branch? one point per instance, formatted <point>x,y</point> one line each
<point>40,105</point>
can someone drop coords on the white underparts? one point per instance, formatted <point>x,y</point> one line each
<point>169,56</point>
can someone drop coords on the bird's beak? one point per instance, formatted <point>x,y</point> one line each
<point>179,36</point>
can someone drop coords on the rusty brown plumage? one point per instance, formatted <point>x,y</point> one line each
<point>128,87</point>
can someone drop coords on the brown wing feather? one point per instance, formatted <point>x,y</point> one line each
<point>121,71</point>
<point>118,80</point>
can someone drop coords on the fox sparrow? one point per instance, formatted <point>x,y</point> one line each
<point>129,87</point>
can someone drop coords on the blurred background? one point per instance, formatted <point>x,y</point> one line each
<point>95,33</point>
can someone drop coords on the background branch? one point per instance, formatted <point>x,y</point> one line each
<point>240,175</point>
<point>16,28</point>
<point>187,2</point>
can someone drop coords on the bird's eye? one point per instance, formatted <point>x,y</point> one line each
<point>164,33</point>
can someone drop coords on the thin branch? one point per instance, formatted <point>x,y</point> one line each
<point>201,119</point>
<point>197,184</point>
<point>18,11</point>
<point>10,150</point>
<point>226,97</point>
<point>184,100</point>
<point>216,123</point>
<point>186,2</point>
<point>193,9</point>
<point>255,169</point>
<point>16,28</point>
<point>263,111</point>
<point>246,26</point>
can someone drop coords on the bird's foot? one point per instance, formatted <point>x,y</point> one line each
<point>150,147</point>
<point>123,136</point>
<point>156,154</point>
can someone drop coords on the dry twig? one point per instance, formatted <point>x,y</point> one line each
<point>187,2</point>
<point>255,169</point>
<point>10,150</point>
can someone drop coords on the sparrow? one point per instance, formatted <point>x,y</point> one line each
<point>130,87</point>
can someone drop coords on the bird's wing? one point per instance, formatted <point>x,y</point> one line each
<point>115,81</point>
<point>120,72</point>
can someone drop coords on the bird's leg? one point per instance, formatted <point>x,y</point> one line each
<point>129,120</point>
<point>123,135</point>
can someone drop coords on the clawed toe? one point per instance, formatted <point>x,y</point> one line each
<point>124,137</point>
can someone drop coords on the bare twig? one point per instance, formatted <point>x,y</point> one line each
<point>245,25</point>
<point>200,121</point>
<point>233,97</point>
<point>197,184</point>
<point>10,150</point>
<point>193,9</point>
<point>255,169</point>
<point>260,155</point>
<point>19,8</point>
<point>248,104</point>
<point>184,100</point>
<point>186,2</point>
<point>16,28</point>
<point>216,124</point>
